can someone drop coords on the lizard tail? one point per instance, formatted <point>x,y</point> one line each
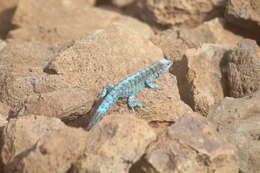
<point>98,114</point>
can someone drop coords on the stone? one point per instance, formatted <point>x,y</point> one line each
<point>244,14</point>
<point>40,21</point>
<point>111,148</point>
<point>23,133</point>
<point>52,153</point>
<point>243,69</point>
<point>178,12</point>
<point>190,145</point>
<point>200,81</point>
<point>175,42</point>
<point>237,119</point>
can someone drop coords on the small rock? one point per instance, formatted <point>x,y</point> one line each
<point>243,69</point>
<point>190,145</point>
<point>238,120</point>
<point>169,12</point>
<point>122,3</point>
<point>200,81</point>
<point>244,14</point>
<point>115,144</point>
<point>23,133</point>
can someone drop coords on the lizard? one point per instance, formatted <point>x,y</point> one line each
<point>128,87</point>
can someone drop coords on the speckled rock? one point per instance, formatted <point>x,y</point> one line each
<point>243,69</point>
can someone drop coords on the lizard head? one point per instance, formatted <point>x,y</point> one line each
<point>165,65</point>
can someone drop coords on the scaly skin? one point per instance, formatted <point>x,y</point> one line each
<point>128,87</point>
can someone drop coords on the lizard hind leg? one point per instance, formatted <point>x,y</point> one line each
<point>149,84</point>
<point>106,90</point>
<point>132,104</point>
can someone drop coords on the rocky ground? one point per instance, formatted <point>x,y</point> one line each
<point>57,55</point>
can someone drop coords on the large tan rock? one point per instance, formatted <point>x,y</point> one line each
<point>41,20</point>
<point>175,42</point>
<point>238,120</point>
<point>244,14</point>
<point>23,133</point>
<point>101,58</point>
<point>200,78</point>
<point>115,144</point>
<point>190,145</point>
<point>243,69</point>
<point>53,153</point>
<point>176,12</point>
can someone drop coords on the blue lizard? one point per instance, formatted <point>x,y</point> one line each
<point>128,87</point>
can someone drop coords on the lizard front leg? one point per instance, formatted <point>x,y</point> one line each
<point>132,103</point>
<point>106,90</point>
<point>149,84</point>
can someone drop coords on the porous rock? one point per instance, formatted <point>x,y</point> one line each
<point>243,68</point>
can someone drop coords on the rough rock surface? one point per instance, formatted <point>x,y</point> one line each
<point>41,21</point>
<point>52,153</point>
<point>2,45</point>
<point>245,14</point>
<point>238,120</point>
<point>243,69</point>
<point>190,145</point>
<point>199,77</point>
<point>174,42</point>
<point>176,12</point>
<point>21,134</point>
<point>111,148</point>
